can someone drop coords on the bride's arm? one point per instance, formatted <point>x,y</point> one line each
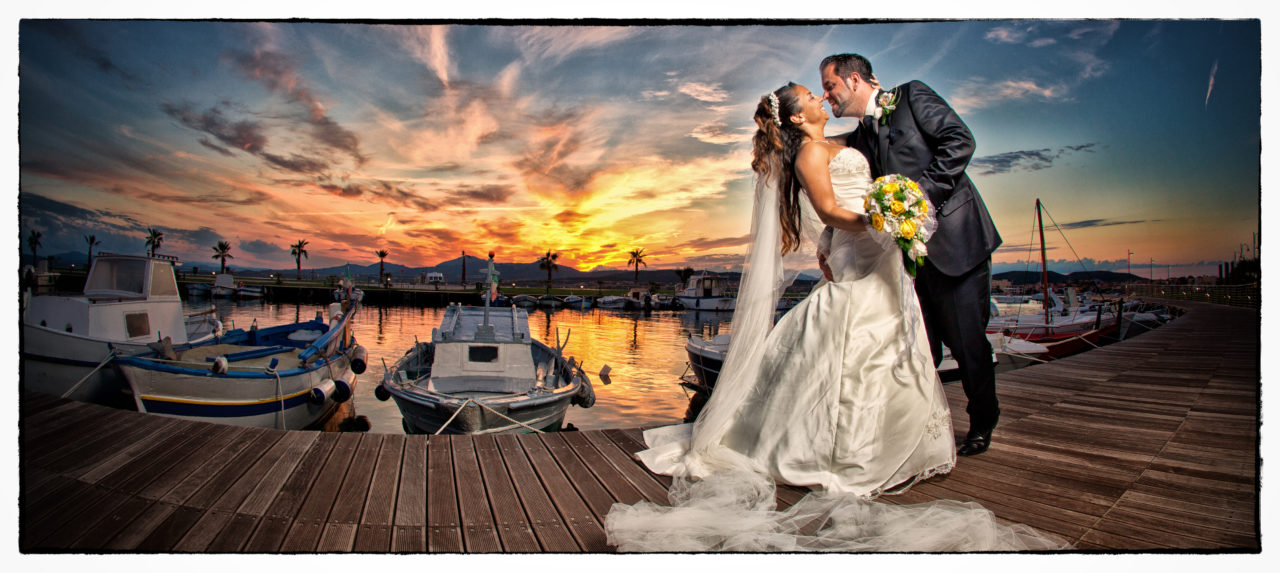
<point>815,176</point>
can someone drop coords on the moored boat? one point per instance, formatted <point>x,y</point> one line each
<point>244,291</point>
<point>550,301</point>
<point>291,376</point>
<point>706,291</point>
<point>577,302</point>
<point>639,299</point>
<point>483,373</point>
<point>224,286</point>
<point>199,290</point>
<point>524,301</point>
<point>706,358</point>
<point>613,302</point>
<point>128,301</point>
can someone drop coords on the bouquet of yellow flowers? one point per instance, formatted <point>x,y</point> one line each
<point>897,207</point>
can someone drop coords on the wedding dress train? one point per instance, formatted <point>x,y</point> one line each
<point>841,395</point>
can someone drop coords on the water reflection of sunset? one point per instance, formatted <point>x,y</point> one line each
<point>645,352</point>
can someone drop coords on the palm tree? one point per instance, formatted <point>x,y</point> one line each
<point>93,242</point>
<point>684,274</point>
<point>33,241</point>
<point>548,263</point>
<point>222,251</point>
<point>299,250</point>
<point>154,238</point>
<point>382,254</point>
<point>637,260</point>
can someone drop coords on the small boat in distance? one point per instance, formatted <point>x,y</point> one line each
<point>612,302</point>
<point>199,290</point>
<point>128,301</point>
<point>550,301</point>
<point>577,302</point>
<point>224,286</point>
<point>244,291</point>
<point>706,291</point>
<point>524,301</point>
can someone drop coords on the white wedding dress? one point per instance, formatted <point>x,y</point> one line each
<point>841,396</point>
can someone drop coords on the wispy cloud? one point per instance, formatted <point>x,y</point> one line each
<point>1027,160</point>
<point>977,93</point>
<point>557,44</point>
<point>711,93</point>
<point>279,73</point>
<point>943,50</point>
<point>71,35</point>
<point>1008,33</point>
<point>428,45</point>
<point>1212,72</point>
<point>1094,223</point>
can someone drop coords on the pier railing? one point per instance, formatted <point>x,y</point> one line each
<point>1235,295</point>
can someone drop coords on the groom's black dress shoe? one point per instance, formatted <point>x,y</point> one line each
<point>975,442</point>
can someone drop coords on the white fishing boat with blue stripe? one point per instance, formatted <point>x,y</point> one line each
<point>291,376</point>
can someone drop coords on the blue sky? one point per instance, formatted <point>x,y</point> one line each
<point>1139,135</point>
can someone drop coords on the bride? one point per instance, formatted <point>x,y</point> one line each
<point>840,395</point>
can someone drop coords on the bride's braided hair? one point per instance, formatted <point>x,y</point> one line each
<point>775,145</point>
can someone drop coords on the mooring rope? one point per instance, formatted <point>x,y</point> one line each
<point>110,355</point>
<point>486,407</point>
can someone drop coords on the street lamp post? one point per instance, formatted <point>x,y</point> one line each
<point>1151,272</point>
<point>1130,267</point>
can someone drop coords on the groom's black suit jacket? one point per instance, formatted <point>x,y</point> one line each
<point>925,140</point>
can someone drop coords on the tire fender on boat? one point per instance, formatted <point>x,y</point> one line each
<point>586,396</point>
<point>381,393</point>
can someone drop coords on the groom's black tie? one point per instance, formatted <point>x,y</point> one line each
<point>872,147</point>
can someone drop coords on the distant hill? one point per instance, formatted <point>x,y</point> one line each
<point>1033,277</point>
<point>451,269</point>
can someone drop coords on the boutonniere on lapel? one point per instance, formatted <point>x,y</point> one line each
<point>885,104</point>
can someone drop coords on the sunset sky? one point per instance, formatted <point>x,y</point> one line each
<point>1139,135</point>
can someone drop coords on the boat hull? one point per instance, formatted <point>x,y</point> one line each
<point>240,398</point>
<point>55,362</point>
<point>711,303</point>
<point>424,415</point>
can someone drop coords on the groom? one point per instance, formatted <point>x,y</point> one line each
<point>921,137</point>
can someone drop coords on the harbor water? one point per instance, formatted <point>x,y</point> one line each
<point>644,351</point>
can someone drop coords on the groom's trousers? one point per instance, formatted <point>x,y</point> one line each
<point>956,311</point>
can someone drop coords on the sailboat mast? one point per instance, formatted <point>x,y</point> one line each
<point>1044,267</point>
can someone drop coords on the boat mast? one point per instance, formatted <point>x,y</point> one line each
<point>1044,267</point>
<point>485,294</point>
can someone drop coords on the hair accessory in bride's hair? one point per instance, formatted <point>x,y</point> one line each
<point>773,108</point>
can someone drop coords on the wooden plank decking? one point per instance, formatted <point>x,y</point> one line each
<point>1147,444</point>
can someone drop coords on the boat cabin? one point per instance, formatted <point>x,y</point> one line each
<point>482,356</point>
<point>126,298</point>
<point>705,285</point>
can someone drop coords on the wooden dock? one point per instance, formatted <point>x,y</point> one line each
<point>1147,444</point>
